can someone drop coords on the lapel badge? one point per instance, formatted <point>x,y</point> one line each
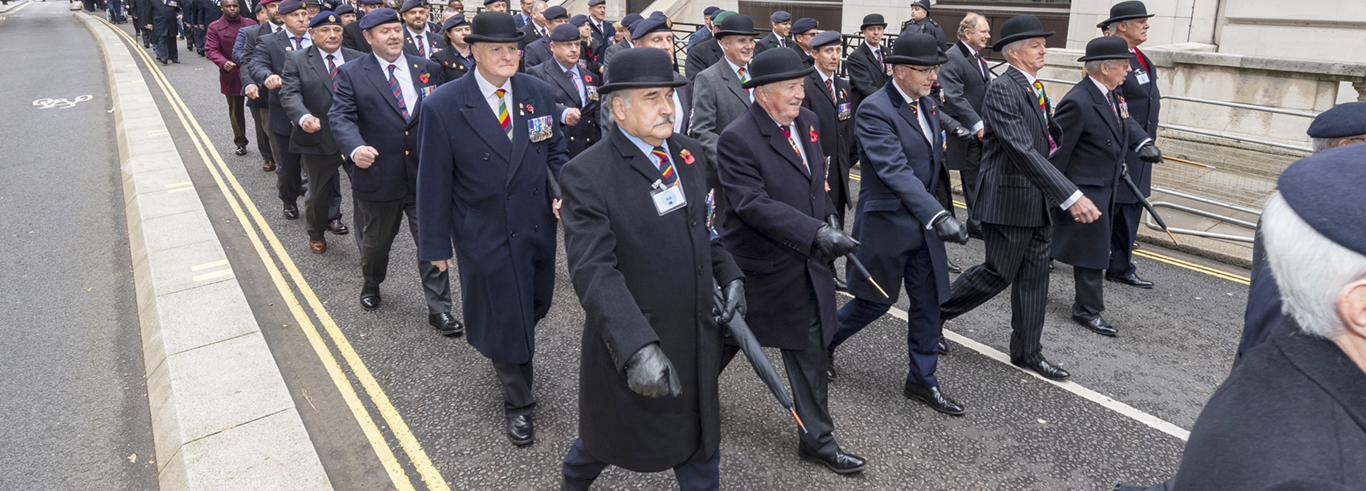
<point>813,134</point>
<point>687,156</point>
<point>530,109</point>
<point>424,77</point>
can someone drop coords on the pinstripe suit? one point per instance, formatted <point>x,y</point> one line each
<point>1018,186</point>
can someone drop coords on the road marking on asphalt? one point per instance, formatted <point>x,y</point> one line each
<point>16,9</point>
<point>1103,400</point>
<point>49,103</point>
<point>242,206</point>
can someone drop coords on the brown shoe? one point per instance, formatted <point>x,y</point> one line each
<point>268,164</point>
<point>317,246</point>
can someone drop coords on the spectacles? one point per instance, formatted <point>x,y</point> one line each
<point>927,71</point>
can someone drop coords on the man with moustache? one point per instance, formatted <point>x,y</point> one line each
<point>964,80</point>
<point>244,49</point>
<point>721,97</point>
<point>378,133</point>
<point>487,144</point>
<point>645,269</point>
<point>780,228</point>
<point>352,38</point>
<point>576,90</point>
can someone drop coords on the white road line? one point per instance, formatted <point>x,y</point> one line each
<point>1105,401</point>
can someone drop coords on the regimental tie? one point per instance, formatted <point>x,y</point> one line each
<point>831,89</point>
<point>744,78</point>
<point>503,117</point>
<point>398,91</point>
<point>298,42</point>
<point>1043,101</point>
<point>666,167</point>
<point>787,131</point>
<point>331,68</point>
<point>575,80</point>
<point>877,53</point>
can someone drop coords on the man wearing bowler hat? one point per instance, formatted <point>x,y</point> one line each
<point>644,265</point>
<point>721,96</point>
<point>1098,132</point>
<point>1019,186</point>
<point>487,143</point>
<point>781,36</point>
<point>900,223</point>
<point>374,119</point>
<point>1129,21</point>
<point>867,67</point>
<point>575,87</point>
<point>781,228</point>
<point>707,52</point>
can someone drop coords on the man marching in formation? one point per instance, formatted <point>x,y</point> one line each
<point>670,238</point>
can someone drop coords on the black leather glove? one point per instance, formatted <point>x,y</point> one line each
<point>833,242</point>
<point>949,229</point>
<point>833,221</point>
<point>733,298</point>
<point>649,373</point>
<point>1150,153</point>
<point>965,135</point>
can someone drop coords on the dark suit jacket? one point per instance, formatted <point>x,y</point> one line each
<point>251,36</point>
<point>452,64</point>
<point>866,75</point>
<point>770,41</point>
<point>775,205</point>
<point>1144,101</point>
<point>364,112</point>
<point>1095,140</point>
<point>685,100</point>
<point>537,53</point>
<point>1293,409</point>
<point>582,135</point>
<point>605,35</point>
<point>643,278</point>
<point>702,56</point>
<point>609,51</point>
<point>432,42</point>
<point>354,38</point>
<point>901,168</point>
<point>1018,183</point>
<point>489,196</point>
<point>837,135</point>
<point>964,81</point>
<point>164,17</point>
<point>269,59</point>
<point>307,89</point>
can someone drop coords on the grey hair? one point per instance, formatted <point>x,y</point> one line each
<point>539,5</point>
<point>605,111</point>
<point>1011,47</point>
<point>1321,144</point>
<point>1309,268</point>
<point>1094,65</point>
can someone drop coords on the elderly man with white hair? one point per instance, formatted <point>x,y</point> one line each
<point>1293,413</point>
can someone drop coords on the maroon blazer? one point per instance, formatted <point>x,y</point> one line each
<point>218,39</point>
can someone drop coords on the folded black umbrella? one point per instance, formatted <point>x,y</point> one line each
<point>739,331</point>
<point>1124,175</point>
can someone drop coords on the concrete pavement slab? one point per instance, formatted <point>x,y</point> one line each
<point>229,460</point>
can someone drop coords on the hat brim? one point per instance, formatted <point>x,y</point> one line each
<point>1113,56</point>
<point>615,86</point>
<point>724,33</point>
<point>507,38</point>
<point>1001,43</point>
<point>939,59</point>
<point>777,77</point>
<point>1121,18</point>
<point>865,26</point>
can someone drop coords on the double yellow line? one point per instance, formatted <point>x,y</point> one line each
<point>244,208</point>
<point>1236,278</point>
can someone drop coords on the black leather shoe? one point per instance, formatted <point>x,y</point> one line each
<point>241,150</point>
<point>520,430</point>
<point>1096,324</point>
<point>369,297</point>
<point>446,324</point>
<point>830,372</point>
<point>291,211</point>
<point>943,348</point>
<point>337,227</point>
<point>933,398</point>
<point>841,284</point>
<point>841,463</point>
<point>954,268</point>
<point>1130,279</point>
<point>1043,367</point>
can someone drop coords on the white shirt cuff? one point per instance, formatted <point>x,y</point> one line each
<point>352,155</point>
<point>1141,144</point>
<point>936,216</point>
<point>1072,200</point>
<point>301,119</point>
<point>978,127</point>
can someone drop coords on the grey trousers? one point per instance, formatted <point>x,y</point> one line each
<point>378,223</point>
<point>516,380</point>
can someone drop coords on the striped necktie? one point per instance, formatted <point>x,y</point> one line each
<point>575,80</point>
<point>331,68</point>
<point>666,166</point>
<point>420,48</point>
<point>831,89</point>
<point>398,91</point>
<point>298,42</point>
<point>1043,101</point>
<point>504,118</point>
<point>788,133</point>
<point>744,78</point>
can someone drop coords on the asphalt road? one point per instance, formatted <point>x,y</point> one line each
<point>1175,346</point>
<point>71,372</point>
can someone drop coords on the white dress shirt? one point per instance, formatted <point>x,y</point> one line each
<point>426,46</point>
<point>405,84</point>
<point>336,60</point>
<point>792,130</point>
<point>487,88</point>
<point>577,81</point>
<point>648,150</point>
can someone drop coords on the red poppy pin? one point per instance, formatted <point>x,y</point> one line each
<point>588,78</point>
<point>424,77</point>
<point>687,156</point>
<point>813,134</point>
<point>530,109</point>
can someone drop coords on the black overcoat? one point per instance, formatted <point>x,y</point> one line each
<point>775,205</point>
<point>836,127</point>
<point>1095,140</point>
<point>702,56</point>
<point>866,74</point>
<point>164,17</point>
<point>1145,102</point>
<point>643,278</point>
<point>451,63</point>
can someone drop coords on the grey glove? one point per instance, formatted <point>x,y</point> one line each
<point>833,243</point>
<point>649,373</point>
<point>1150,153</point>
<point>949,229</point>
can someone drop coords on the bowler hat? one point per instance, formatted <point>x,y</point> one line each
<point>556,12</point>
<point>456,20</point>
<point>324,18</point>
<point>493,27</point>
<point>1019,28</point>
<point>564,33</point>
<point>377,17</point>
<point>802,25</point>
<point>1107,48</point>
<point>918,49</point>
<point>289,6</point>
<point>775,65</point>
<point>872,20</point>
<point>1324,189</point>
<point>656,22</point>
<point>780,16</point>
<point>1132,9</point>
<point>1343,120</point>
<point>736,25</point>
<point>635,68</point>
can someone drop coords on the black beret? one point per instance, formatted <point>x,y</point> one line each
<point>372,2</point>
<point>377,17</point>
<point>1324,189</point>
<point>325,18</point>
<point>630,19</point>
<point>289,6</point>
<point>556,12</point>
<point>412,4</point>
<point>346,8</point>
<point>803,24</point>
<point>656,22</point>
<point>826,38</point>
<point>710,10</point>
<point>456,20</point>
<point>564,33</point>
<point>1342,121</point>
